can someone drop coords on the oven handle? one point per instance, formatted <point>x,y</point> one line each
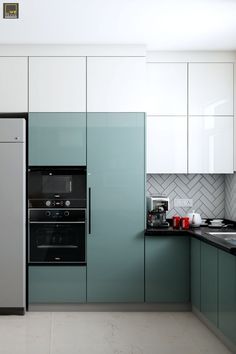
<point>89,207</point>
<point>57,222</point>
<point>59,246</point>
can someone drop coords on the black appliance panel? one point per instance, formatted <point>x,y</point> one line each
<point>59,215</point>
<point>59,187</point>
<point>57,242</point>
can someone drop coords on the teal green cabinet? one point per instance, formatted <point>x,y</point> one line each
<point>209,282</point>
<point>227,295</point>
<point>57,284</point>
<point>196,273</point>
<point>167,269</point>
<point>116,183</point>
<point>57,139</point>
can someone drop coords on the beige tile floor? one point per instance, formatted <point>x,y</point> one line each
<point>107,333</point>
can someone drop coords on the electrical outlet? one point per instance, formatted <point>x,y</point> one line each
<point>183,203</point>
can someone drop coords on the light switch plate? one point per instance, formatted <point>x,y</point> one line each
<point>183,203</point>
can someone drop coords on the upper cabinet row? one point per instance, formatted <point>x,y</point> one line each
<point>72,84</point>
<point>190,115</point>
<point>201,89</point>
<point>111,84</point>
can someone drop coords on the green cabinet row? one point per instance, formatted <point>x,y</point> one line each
<point>227,295</point>
<point>112,147</point>
<point>213,286</point>
<point>167,269</point>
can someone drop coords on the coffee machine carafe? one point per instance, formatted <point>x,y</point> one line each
<point>156,211</point>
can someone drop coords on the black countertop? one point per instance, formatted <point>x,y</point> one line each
<point>200,233</point>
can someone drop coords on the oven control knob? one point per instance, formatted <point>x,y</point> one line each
<point>48,203</point>
<point>66,213</point>
<point>48,213</point>
<point>67,203</point>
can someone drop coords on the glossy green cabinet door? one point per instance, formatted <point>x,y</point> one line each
<point>57,284</point>
<point>57,139</point>
<point>209,282</point>
<point>227,295</point>
<point>196,273</point>
<point>167,269</point>
<point>116,176</point>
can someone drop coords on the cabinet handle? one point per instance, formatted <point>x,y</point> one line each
<point>89,206</point>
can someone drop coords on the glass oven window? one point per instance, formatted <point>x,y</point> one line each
<point>57,242</point>
<point>56,184</point>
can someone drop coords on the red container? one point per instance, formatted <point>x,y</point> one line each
<point>176,222</point>
<point>185,223</point>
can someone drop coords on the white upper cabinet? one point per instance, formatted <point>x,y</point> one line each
<point>211,89</point>
<point>57,84</point>
<point>210,144</point>
<point>166,144</point>
<point>13,84</point>
<point>167,88</point>
<point>116,84</point>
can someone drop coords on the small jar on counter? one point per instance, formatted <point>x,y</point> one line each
<point>176,222</point>
<point>185,224</point>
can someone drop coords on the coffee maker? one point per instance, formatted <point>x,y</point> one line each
<point>157,206</point>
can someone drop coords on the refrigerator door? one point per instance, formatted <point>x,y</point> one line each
<point>12,130</point>
<point>12,220</point>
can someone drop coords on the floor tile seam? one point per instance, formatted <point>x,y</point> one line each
<point>51,334</point>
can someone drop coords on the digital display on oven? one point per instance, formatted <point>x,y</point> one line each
<point>54,184</point>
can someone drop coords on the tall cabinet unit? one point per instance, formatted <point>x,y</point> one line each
<point>57,137</point>
<point>116,179</point>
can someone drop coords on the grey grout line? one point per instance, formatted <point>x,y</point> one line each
<point>51,333</point>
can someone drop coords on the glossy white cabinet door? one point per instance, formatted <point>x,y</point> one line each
<point>13,84</point>
<point>166,144</point>
<point>210,144</point>
<point>57,84</point>
<point>211,89</point>
<point>116,84</point>
<point>167,88</point>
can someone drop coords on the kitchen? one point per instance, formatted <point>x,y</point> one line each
<point>88,121</point>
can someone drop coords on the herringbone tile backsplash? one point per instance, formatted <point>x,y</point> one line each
<point>230,197</point>
<point>207,192</point>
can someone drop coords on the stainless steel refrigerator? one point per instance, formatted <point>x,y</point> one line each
<point>12,215</point>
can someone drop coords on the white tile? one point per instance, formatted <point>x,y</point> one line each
<point>107,333</point>
<point>29,334</point>
<point>132,333</point>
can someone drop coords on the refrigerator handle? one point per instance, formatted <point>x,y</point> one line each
<point>89,207</point>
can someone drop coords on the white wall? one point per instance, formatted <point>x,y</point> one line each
<point>160,24</point>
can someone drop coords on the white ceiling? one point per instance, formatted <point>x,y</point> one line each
<point>160,24</point>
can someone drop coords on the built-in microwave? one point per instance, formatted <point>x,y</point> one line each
<point>57,187</point>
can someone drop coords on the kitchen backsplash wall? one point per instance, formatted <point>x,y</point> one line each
<point>230,197</point>
<point>207,192</point>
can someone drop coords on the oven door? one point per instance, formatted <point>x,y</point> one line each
<point>56,242</point>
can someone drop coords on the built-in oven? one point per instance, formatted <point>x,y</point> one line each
<point>56,215</point>
<point>56,236</point>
